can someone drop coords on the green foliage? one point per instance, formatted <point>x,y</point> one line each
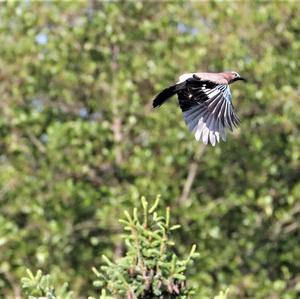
<point>41,285</point>
<point>80,143</point>
<point>222,295</point>
<point>150,268</point>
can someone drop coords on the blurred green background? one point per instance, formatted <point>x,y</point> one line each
<point>80,142</point>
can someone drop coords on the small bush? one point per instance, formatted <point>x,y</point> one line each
<point>149,269</point>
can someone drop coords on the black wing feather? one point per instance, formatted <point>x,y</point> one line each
<point>167,93</point>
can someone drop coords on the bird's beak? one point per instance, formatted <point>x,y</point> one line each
<point>240,78</point>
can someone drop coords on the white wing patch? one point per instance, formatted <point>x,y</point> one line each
<point>208,120</point>
<point>184,77</point>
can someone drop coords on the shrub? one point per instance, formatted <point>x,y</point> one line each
<point>149,269</point>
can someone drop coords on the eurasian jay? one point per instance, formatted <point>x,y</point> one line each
<point>206,103</point>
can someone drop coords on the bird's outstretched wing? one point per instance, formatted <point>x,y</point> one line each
<point>207,109</point>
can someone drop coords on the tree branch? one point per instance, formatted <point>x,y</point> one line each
<point>193,169</point>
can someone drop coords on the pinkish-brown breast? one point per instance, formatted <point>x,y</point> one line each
<point>218,78</point>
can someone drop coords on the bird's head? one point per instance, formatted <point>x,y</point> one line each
<point>233,76</point>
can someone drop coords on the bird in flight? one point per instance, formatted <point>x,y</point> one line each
<point>206,102</point>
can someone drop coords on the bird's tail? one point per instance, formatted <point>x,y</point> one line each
<point>167,93</point>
